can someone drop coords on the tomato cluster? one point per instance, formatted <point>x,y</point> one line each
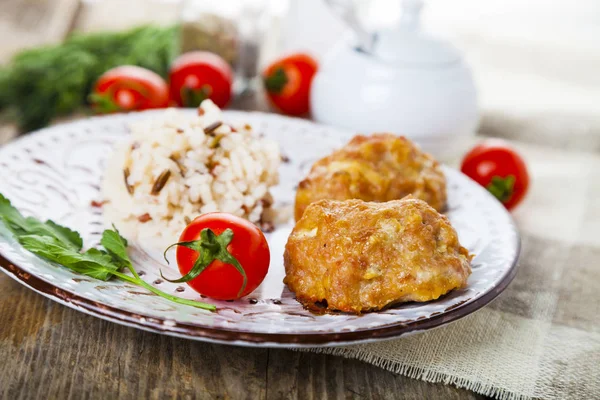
<point>200,75</point>
<point>194,77</point>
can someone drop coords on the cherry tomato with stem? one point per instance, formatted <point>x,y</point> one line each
<point>222,256</point>
<point>199,75</point>
<point>287,82</point>
<point>129,88</point>
<point>495,165</point>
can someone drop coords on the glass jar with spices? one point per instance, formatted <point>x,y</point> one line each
<point>233,29</point>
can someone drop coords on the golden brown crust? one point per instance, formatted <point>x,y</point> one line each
<point>357,256</point>
<point>379,167</point>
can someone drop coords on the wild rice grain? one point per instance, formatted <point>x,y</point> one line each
<point>212,127</point>
<point>175,158</point>
<point>160,182</point>
<point>215,142</point>
<point>126,177</point>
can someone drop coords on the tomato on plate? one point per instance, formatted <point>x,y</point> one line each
<point>200,75</point>
<point>222,256</point>
<point>129,88</point>
<point>287,82</point>
<point>495,165</point>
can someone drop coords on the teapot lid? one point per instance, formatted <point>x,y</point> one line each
<point>406,44</point>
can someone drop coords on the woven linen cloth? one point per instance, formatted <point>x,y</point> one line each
<point>541,337</point>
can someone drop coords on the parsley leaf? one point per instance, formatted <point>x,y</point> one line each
<point>116,246</point>
<point>62,245</point>
<point>65,235</point>
<point>11,217</point>
<point>19,226</point>
<point>94,263</point>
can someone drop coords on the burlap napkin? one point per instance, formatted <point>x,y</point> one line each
<point>541,337</point>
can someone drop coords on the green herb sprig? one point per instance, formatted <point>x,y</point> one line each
<point>42,83</point>
<point>63,246</point>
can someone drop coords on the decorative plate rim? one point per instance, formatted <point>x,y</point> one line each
<point>248,338</point>
<point>244,338</point>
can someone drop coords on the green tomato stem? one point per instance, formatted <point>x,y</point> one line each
<point>210,247</point>
<point>502,187</point>
<point>276,81</point>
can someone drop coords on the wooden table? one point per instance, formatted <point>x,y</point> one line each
<point>51,351</point>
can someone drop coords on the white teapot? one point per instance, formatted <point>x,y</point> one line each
<point>407,83</point>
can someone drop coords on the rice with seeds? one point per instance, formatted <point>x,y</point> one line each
<point>177,166</point>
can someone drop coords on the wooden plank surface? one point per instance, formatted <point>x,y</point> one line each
<point>51,351</point>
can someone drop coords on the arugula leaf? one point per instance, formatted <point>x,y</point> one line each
<point>116,246</point>
<point>62,246</point>
<point>65,235</point>
<point>94,263</point>
<point>97,264</point>
<point>19,225</point>
<point>11,217</point>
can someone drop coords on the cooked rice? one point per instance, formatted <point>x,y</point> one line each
<point>198,172</point>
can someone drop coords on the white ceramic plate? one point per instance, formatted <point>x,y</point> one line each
<point>55,173</point>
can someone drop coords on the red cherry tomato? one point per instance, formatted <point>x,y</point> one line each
<point>129,88</point>
<point>495,165</point>
<point>287,82</point>
<point>200,75</point>
<point>221,279</point>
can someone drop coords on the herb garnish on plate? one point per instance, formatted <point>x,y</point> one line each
<point>64,246</point>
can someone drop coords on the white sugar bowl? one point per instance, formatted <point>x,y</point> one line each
<point>408,83</point>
